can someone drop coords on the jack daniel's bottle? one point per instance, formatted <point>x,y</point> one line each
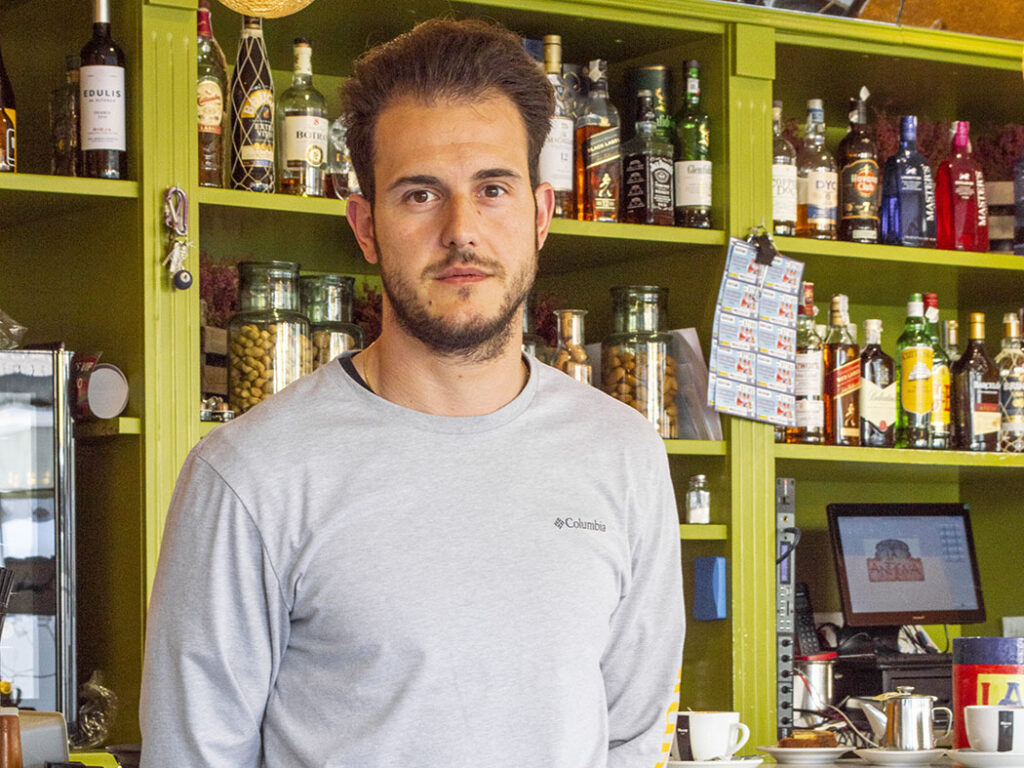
<point>598,159</point>
<point>647,171</point>
<point>252,112</point>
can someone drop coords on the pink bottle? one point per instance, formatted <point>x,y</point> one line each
<point>960,198</point>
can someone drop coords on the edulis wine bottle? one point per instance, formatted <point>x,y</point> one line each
<point>103,141</point>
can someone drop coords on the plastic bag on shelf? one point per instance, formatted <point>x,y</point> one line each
<point>11,331</point>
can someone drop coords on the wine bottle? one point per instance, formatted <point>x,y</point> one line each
<point>8,123</point>
<point>211,101</point>
<point>252,112</point>
<point>103,141</point>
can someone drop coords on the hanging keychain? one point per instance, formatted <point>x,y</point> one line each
<point>178,244</point>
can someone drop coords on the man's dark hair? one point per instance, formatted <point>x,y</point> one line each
<point>443,59</point>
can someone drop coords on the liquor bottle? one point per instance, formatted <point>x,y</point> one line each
<point>102,141</point>
<point>302,127</point>
<point>8,123</point>
<point>693,157</point>
<point>908,193</point>
<point>859,187</point>
<point>951,344</point>
<point>877,390</point>
<point>783,177</point>
<point>1010,362</point>
<point>914,357</point>
<point>809,409</point>
<point>656,78</point>
<point>817,183</point>
<point>211,101</point>
<point>64,155</point>
<point>976,419</point>
<point>341,174</point>
<point>1018,207</point>
<point>842,377</point>
<point>647,170</point>
<point>939,429</point>
<point>252,112</point>
<point>960,206</point>
<point>556,156</point>
<point>598,158</point>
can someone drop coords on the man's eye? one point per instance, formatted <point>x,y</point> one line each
<point>493,190</point>
<point>421,196</point>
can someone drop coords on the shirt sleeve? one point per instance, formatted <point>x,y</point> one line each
<point>641,665</point>
<point>216,629</point>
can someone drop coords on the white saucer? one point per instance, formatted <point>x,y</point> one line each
<point>745,762</point>
<point>805,755</point>
<point>900,756</point>
<point>972,758</point>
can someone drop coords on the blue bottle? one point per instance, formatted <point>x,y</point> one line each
<point>908,193</point>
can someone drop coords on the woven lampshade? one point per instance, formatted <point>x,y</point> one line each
<point>266,9</point>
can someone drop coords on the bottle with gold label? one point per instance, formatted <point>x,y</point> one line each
<point>914,357</point>
<point>1010,362</point>
<point>939,430</point>
<point>252,112</point>
<point>809,408</point>
<point>877,390</point>
<point>976,420</point>
<point>842,377</point>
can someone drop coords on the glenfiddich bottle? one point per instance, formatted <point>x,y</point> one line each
<point>914,356</point>
<point>809,409</point>
<point>877,390</point>
<point>302,129</point>
<point>1010,362</point>
<point>859,187</point>
<point>939,430</point>
<point>8,123</point>
<point>842,377</point>
<point>252,112</point>
<point>693,157</point>
<point>103,141</point>
<point>598,158</point>
<point>556,156</point>
<point>976,419</point>
<point>783,177</point>
<point>647,170</point>
<point>211,101</point>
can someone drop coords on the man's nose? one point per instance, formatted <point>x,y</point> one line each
<point>461,227</point>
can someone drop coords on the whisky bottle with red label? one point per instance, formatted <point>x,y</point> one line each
<point>877,390</point>
<point>842,377</point>
<point>914,358</point>
<point>976,419</point>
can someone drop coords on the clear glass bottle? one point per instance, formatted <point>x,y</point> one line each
<point>341,173</point>
<point>570,355</point>
<point>693,157</point>
<point>556,156</point>
<point>64,157</point>
<point>1010,362</point>
<point>647,170</point>
<point>877,390</point>
<point>817,182</point>
<point>637,362</point>
<point>269,338</point>
<point>842,377</point>
<point>533,344</point>
<point>914,358</point>
<point>302,127</point>
<point>860,189</point>
<point>951,341</point>
<point>783,177</point>
<point>939,430</point>
<point>326,301</point>
<point>908,193</point>
<point>598,151</point>
<point>698,501</point>
<point>960,204</point>
<point>211,101</point>
<point>252,112</point>
<point>976,419</point>
<point>810,405</point>
<point>103,138</point>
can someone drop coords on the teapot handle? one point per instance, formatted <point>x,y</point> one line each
<point>949,722</point>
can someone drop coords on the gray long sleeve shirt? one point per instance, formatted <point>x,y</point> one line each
<point>344,582</point>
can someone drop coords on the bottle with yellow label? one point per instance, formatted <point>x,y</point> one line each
<point>939,432</point>
<point>914,358</point>
<point>976,420</point>
<point>1010,361</point>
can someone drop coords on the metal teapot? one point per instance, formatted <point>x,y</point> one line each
<point>908,721</point>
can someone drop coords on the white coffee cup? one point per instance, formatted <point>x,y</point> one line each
<point>995,728</point>
<point>716,735</point>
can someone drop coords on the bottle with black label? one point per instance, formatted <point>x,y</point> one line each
<point>1010,362</point>
<point>302,129</point>
<point>556,155</point>
<point>693,157</point>
<point>252,112</point>
<point>103,137</point>
<point>859,187</point>
<point>598,158</point>
<point>647,170</point>
<point>976,419</point>
<point>877,390</point>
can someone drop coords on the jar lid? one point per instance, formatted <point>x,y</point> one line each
<point>290,268</point>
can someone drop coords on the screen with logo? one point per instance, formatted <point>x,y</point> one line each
<point>905,564</point>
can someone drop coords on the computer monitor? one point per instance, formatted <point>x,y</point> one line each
<point>905,564</point>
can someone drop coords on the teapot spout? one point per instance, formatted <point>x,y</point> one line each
<point>876,718</point>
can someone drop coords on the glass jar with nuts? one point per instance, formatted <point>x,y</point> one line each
<point>327,302</point>
<point>638,366</point>
<point>570,356</point>
<point>269,337</point>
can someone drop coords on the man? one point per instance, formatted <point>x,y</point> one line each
<point>437,552</point>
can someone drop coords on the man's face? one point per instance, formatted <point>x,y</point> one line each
<point>455,226</point>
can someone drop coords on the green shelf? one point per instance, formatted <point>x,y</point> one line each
<point>800,246</point>
<point>896,456</point>
<point>696,447</point>
<point>240,198</point>
<point>123,425</point>
<point>694,532</point>
<point>27,197</point>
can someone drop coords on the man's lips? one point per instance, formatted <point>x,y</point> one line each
<point>460,275</point>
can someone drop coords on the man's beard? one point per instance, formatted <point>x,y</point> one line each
<point>478,339</point>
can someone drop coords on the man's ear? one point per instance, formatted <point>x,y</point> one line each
<point>544,194</point>
<point>360,217</point>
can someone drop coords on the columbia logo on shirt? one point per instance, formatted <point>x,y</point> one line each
<point>586,525</point>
